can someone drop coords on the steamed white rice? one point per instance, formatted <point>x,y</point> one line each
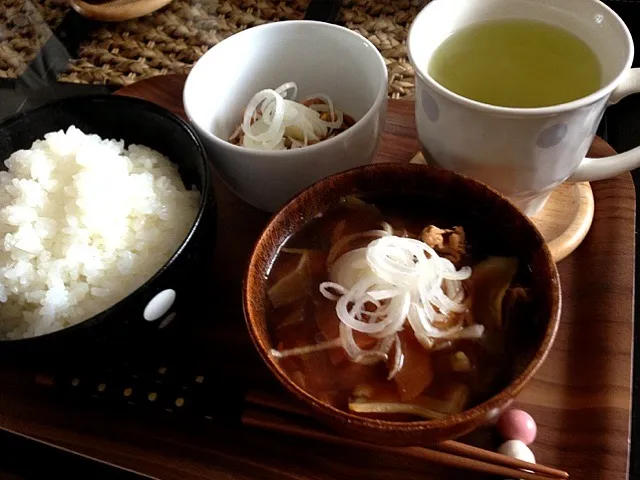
<point>83,223</point>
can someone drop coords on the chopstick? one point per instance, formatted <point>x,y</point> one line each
<point>449,453</point>
<point>276,423</point>
<point>275,413</point>
<point>476,453</point>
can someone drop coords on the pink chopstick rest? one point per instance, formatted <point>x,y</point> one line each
<point>517,425</point>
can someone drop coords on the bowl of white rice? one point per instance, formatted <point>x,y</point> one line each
<point>106,216</point>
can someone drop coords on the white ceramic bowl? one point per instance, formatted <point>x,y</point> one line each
<point>320,58</point>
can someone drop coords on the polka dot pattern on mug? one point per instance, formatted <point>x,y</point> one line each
<point>552,136</point>
<point>430,106</point>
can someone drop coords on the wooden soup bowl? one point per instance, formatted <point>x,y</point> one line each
<point>492,224</point>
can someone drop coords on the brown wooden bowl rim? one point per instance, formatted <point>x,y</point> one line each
<point>494,403</point>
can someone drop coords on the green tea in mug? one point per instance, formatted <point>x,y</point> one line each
<point>516,63</point>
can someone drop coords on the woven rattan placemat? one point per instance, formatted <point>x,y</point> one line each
<point>25,26</point>
<point>173,38</point>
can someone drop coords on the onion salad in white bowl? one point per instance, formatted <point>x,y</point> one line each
<point>274,120</point>
<point>261,162</point>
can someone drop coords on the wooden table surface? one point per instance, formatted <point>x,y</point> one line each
<point>580,397</point>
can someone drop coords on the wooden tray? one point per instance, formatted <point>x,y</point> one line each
<point>580,397</point>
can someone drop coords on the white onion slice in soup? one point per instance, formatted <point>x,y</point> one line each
<point>344,241</point>
<point>350,268</point>
<point>326,287</point>
<point>398,359</point>
<point>392,282</point>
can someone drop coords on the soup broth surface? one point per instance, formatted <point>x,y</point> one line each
<point>448,378</point>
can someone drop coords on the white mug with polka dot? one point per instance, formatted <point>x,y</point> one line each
<point>522,152</point>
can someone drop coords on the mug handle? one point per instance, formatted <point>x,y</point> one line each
<point>592,169</point>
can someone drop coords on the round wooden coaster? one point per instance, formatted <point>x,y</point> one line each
<point>565,219</point>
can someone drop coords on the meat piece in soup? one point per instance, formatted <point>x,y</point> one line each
<point>392,317</point>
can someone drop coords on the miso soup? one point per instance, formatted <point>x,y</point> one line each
<point>397,314</point>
